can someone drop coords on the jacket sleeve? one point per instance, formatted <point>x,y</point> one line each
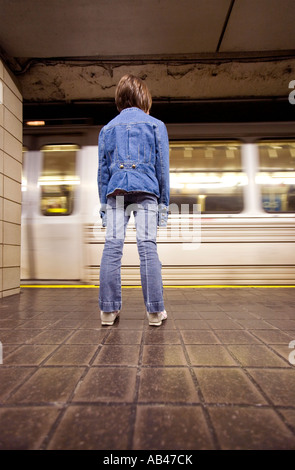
<point>162,173</point>
<point>103,176</point>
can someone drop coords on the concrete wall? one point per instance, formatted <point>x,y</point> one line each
<point>10,183</point>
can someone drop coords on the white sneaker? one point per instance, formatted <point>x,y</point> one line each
<point>155,319</point>
<point>108,318</point>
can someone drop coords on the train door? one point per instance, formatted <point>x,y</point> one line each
<point>52,231</point>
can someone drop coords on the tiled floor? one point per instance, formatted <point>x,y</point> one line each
<point>216,375</point>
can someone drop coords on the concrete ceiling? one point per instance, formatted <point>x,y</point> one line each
<point>81,28</point>
<point>74,51</point>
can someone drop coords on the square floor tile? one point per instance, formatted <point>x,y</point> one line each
<point>36,323</point>
<point>133,313</point>
<point>279,385</point>
<point>161,336</point>
<point>214,315</point>
<point>167,385</point>
<point>236,337</point>
<point>199,337</point>
<point>51,315</point>
<point>87,336</point>
<point>10,324</point>
<point>250,428</point>
<point>19,336</point>
<point>209,355</point>
<point>25,428</point>
<point>255,355</point>
<point>163,355</point>
<point>227,386</point>
<point>273,336</point>
<point>209,307</point>
<point>113,354</point>
<point>171,427</point>
<point>30,354</point>
<point>94,323</point>
<point>72,354</point>
<point>50,336</point>
<point>108,385</point>
<point>123,323</point>
<point>48,385</point>
<point>184,314</point>
<point>11,377</point>
<point>99,427</point>
<point>255,324</point>
<point>224,325</point>
<point>232,307</point>
<point>124,337</point>
<point>70,323</point>
<point>284,325</point>
<point>242,314</point>
<point>78,315</point>
<point>187,324</point>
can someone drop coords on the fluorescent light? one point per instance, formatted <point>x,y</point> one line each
<point>35,123</point>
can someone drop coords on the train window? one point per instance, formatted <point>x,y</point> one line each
<point>276,176</point>
<point>58,179</point>
<point>209,174</point>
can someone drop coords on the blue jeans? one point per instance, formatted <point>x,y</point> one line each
<point>119,208</point>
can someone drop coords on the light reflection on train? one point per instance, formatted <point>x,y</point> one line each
<point>245,191</point>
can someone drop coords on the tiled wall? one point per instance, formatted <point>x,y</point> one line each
<point>10,183</point>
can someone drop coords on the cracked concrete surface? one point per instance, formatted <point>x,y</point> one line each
<point>61,81</point>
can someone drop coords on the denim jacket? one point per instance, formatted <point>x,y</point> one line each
<point>133,152</point>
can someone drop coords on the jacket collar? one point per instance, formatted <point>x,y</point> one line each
<point>131,109</point>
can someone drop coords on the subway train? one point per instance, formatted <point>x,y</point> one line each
<point>232,207</point>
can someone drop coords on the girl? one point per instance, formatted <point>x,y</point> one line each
<point>133,175</point>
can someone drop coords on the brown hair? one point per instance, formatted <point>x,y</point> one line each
<point>132,91</point>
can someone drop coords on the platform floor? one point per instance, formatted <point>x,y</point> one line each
<point>216,375</point>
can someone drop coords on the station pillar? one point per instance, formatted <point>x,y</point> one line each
<point>10,182</point>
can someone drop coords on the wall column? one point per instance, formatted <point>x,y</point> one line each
<point>10,183</point>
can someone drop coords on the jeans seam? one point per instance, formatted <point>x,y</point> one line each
<point>146,275</point>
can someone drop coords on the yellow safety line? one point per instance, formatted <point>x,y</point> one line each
<point>82,286</point>
<point>57,286</point>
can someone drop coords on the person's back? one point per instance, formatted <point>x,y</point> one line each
<point>134,145</point>
<point>133,171</point>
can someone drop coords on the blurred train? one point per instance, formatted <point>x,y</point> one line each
<point>232,201</point>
